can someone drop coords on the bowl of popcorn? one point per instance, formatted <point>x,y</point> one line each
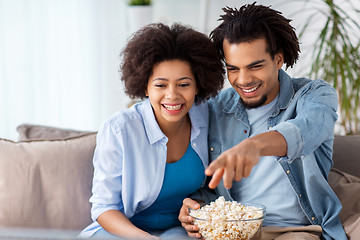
<point>229,220</point>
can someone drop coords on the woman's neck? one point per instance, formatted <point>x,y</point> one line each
<point>171,129</point>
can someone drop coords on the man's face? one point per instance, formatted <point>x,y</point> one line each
<point>252,72</point>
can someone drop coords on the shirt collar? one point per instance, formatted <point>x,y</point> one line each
<point>152,128</point>
<point>198,117</point>
<point>286,89</point>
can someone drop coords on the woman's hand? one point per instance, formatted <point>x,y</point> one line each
<point>186,220</point>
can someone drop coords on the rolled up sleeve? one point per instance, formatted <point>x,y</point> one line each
<point>315,109</point>
<point>107,181</point>
<point>294,140</point>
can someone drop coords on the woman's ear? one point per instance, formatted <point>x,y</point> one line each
<point>146,93</point>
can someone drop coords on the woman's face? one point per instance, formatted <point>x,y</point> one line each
<point>171,89</point>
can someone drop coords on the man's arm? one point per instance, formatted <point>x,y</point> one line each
<point>238,161</point>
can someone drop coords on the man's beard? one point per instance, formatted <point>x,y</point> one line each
<point>250,105</point>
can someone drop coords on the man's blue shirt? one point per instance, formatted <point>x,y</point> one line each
<point>305,115</point>
<point>268,178</point>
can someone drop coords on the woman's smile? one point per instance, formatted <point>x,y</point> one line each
<point>173,108</point>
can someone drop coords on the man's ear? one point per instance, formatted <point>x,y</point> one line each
<point>146,93</point>
<point>279,59</point>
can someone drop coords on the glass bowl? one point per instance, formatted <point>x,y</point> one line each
<point>243,222</point>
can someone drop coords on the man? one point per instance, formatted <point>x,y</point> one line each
<point>274,132</point>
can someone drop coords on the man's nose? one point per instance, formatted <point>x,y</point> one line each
<point>243,78</point>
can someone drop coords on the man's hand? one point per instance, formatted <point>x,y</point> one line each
<point>238,161</point>
<point>234,164</point>
<point>186,220</point>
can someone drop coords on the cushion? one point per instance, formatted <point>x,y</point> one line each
<point>347,154</point>
<point>347,188</point>
<point>38,132</point>
<point>46,184</point>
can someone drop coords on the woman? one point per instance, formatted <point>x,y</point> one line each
<point>150,157</point>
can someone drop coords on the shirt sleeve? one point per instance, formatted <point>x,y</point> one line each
<point>314,122</point>
<point>204,194</point>
<point>107,181</point>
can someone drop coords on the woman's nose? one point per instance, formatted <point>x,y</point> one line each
<point>172,92</point>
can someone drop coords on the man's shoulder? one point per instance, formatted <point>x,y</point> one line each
<point>306,83</point>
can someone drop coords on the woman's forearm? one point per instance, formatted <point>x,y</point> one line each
<point>116,223</point>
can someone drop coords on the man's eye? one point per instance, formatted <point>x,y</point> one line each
<point>256,66</point>
<point>232,69</point>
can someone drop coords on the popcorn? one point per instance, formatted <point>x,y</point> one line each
<point>228,220</point>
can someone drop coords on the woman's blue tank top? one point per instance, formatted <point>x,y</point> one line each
<point>182,178</point>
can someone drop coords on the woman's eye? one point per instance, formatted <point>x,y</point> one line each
<point>184,84</point>
<point>159,85</point>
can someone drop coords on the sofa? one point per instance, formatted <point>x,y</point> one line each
<point>46,179</point>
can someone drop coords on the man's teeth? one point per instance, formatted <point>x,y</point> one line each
<point>251,89</point>
<point>173,107</point>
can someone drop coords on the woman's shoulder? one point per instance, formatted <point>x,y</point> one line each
<point>199,114</point>
<point>126,117</point>
<point>200,108</point>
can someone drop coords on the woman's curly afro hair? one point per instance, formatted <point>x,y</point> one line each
<point>156,43</point>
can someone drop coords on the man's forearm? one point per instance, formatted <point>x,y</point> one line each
<point>238,161</point>
<point>270,143</point>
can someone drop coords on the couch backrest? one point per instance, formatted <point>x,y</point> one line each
<point>347,154</point>
<point>47,183</point>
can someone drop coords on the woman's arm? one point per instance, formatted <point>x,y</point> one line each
<point>107,186</point>
<point>116,223</point>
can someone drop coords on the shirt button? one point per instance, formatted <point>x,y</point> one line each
<point>313,218</point>
<point>287,171</point>
<point>245,131</point>
<point>211,149</point>
<point>300,195</point>
<point>194,144</point>
<point>270,128</point>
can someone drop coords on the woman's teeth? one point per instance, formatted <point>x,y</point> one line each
<point>251,89</point>
<point>172,107</point>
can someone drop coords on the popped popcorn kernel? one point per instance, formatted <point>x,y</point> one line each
<point>228,220</point>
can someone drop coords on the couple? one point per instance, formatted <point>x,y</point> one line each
<point>269,137</point>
